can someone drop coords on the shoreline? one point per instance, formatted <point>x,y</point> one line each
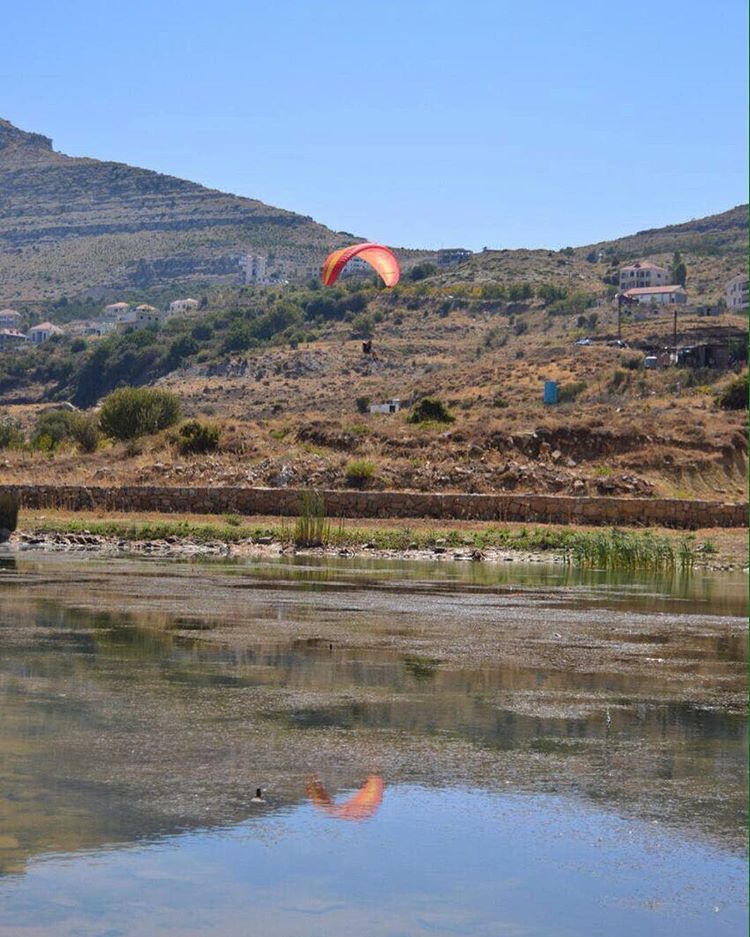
<point>196,536</point>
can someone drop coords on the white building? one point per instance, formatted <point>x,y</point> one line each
<point>183,305</point>
<point>452,256</point>
<point>390,406</point>
<point>736,292</point>
<point>146,315</point>
<point>11,338</point>
<point>9,319</point>
<point>658,294</point>
<point>253,269</point>
<point>43,332</point>
<point>117,311</point>
<point>642,274</point>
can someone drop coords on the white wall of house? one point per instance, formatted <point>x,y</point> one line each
<point>736,292</point>
<point>640,275</point>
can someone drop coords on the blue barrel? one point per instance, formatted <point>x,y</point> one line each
<point>550,391</point>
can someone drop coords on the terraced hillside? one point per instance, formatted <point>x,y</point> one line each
<point>714,248</point>
<point>69,225</point>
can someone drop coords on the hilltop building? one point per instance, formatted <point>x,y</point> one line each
<point>642,274</point>
<point>146,315</point>
<point>44,332</point>
<point>253,269</point>
<point>657,294</point>
<point>452,256</point>
<point>735,291</point>
<point>183,305</point>
<point>116,310</point>
<point>9,319</point>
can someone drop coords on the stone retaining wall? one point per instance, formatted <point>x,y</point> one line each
<point>391,504</point>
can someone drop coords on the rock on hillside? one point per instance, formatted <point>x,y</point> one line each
<point>70,224</point>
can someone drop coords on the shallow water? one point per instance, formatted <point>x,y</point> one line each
<point>536,750</point>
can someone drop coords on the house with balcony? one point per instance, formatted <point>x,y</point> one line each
<point>643,274</point>
<point>735,292</point>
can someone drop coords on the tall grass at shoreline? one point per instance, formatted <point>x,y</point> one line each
<point>599,548</point>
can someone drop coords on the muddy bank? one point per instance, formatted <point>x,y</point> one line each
<point>266,547</point>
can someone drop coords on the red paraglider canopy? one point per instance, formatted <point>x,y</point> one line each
<point>380,258</point>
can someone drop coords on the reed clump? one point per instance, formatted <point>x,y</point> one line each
<point>629,550</point>
<point>312,528</point>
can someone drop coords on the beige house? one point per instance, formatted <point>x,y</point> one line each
<point>658,294</point>
<point>11,338</point>
<point>183,305</point>
<point>9,319</point>
<point>146,315</point>
<point>642,274</point>
<point>735,291</point>
<point>43,332</point>
<point>116,310</point>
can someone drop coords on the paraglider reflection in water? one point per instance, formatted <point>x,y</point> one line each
<point>359,806</point>
<point>379,257</point>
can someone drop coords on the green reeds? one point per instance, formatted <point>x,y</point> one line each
<point>311,528</point>
<point>629,550</point>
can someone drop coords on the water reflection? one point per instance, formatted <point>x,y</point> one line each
<point>125,727</point>
<point>360,806</point>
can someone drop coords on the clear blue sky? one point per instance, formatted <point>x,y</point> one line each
<point>481,122</point>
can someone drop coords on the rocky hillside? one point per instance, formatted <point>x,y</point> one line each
<point>714,249</point>
<point>70,225</point>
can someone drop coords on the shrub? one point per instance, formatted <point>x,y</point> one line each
<point>568,392</point>
<point>198,437</point>
<point>11,436</point>
<point>430,409</point>
<point>50,429</point>
<point>84,431</point>
<point>9,505</point>
<point>734,397</point>
<point>363,404</point>
<point>359,472</point>
<point>137,411</point>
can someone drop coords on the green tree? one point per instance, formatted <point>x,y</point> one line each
<point>679,270</point>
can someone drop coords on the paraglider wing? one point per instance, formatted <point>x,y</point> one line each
<point>379,257</point>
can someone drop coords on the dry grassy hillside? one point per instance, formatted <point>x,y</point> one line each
<point>290,417</point>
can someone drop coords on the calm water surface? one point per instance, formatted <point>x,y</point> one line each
<point>438,748</point>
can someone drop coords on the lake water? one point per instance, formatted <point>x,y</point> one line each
<point>442,748</point>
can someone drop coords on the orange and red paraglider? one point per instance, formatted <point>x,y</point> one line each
<point>379,257</point>
<point>360,806</point>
